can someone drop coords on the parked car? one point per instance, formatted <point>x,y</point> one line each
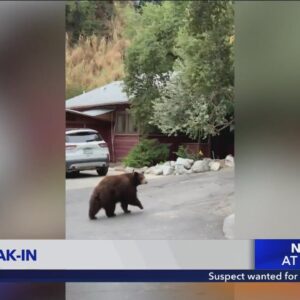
<point>86,150</point>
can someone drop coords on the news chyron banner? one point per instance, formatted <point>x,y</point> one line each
<point>277,254</point>
<point>149,261</point>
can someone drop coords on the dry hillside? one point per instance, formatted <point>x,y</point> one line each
<point>95,61</point>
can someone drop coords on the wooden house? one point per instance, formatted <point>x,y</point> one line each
<point>106,109</point>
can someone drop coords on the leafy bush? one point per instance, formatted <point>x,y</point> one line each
<point>184,152</point>
<point>147,152</point>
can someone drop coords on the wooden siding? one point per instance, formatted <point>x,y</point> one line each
<point>123,143</point>
<point>223,144</point>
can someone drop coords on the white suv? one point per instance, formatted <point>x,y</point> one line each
<point>86,150</point>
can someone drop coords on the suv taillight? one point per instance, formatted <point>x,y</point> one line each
<point>102,145</point>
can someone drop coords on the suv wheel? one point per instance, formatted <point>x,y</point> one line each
<point>102,171</point>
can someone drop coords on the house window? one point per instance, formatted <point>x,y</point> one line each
<point>125,123</point>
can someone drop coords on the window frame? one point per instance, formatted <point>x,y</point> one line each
<point>128,119</point>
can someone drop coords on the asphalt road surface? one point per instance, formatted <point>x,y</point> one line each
<point>148,291</point>
<point>175,207</point>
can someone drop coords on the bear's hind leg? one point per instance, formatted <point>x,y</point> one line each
<point>110,210</point>
<point>95,206</point>
<point>125,207</point>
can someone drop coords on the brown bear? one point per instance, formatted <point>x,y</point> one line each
<point>114,189</point>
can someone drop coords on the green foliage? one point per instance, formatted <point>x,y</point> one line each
<point>184,152</point>
<point>140,3</point>
<point>203,44</point>
<point>150,56</point>
<point>147,152</point>
<point>198,99</point>
<point>178,66</point>
<point>179,109</point>
<point>88,17</point>
<point>73,91</point>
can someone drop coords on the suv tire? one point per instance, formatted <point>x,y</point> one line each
<point>102,171</point>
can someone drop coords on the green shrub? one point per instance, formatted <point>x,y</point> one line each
<point>147,152</point>
<point>184,152</point>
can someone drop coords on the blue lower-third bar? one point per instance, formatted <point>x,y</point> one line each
<point>277,254</point>
<point>149,276</point>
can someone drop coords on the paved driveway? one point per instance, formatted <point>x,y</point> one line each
<point>175,207</point>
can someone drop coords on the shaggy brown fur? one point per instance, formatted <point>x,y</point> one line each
<point>114,189</point>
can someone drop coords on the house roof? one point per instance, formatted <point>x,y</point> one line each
<point>91,112</point>
<point>97,112</point>
<point>109,94</point>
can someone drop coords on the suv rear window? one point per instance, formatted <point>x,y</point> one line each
<point>83,137</point>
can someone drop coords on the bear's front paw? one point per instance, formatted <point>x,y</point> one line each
<point>111,215</point>
<point>127,211</point>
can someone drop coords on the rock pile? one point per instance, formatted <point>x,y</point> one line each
<point>187,166</point>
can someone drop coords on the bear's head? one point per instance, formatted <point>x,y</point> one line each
<point>139,178</point>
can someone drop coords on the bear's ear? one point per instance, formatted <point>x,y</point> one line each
<point>136,178</point>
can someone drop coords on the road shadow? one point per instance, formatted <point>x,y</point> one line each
<point>119,215</point>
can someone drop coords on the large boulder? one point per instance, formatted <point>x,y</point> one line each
<point>180,170</point>
<point>149,170</point>
<point>229,161</point>
<point>187,163</point>
<point>157,170</point>
<point>214,165</point>
<point>144,169</point>
<point>201,166</point>
<point>167,170</point>
<point>129,169</point>
<point>140,170</point>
